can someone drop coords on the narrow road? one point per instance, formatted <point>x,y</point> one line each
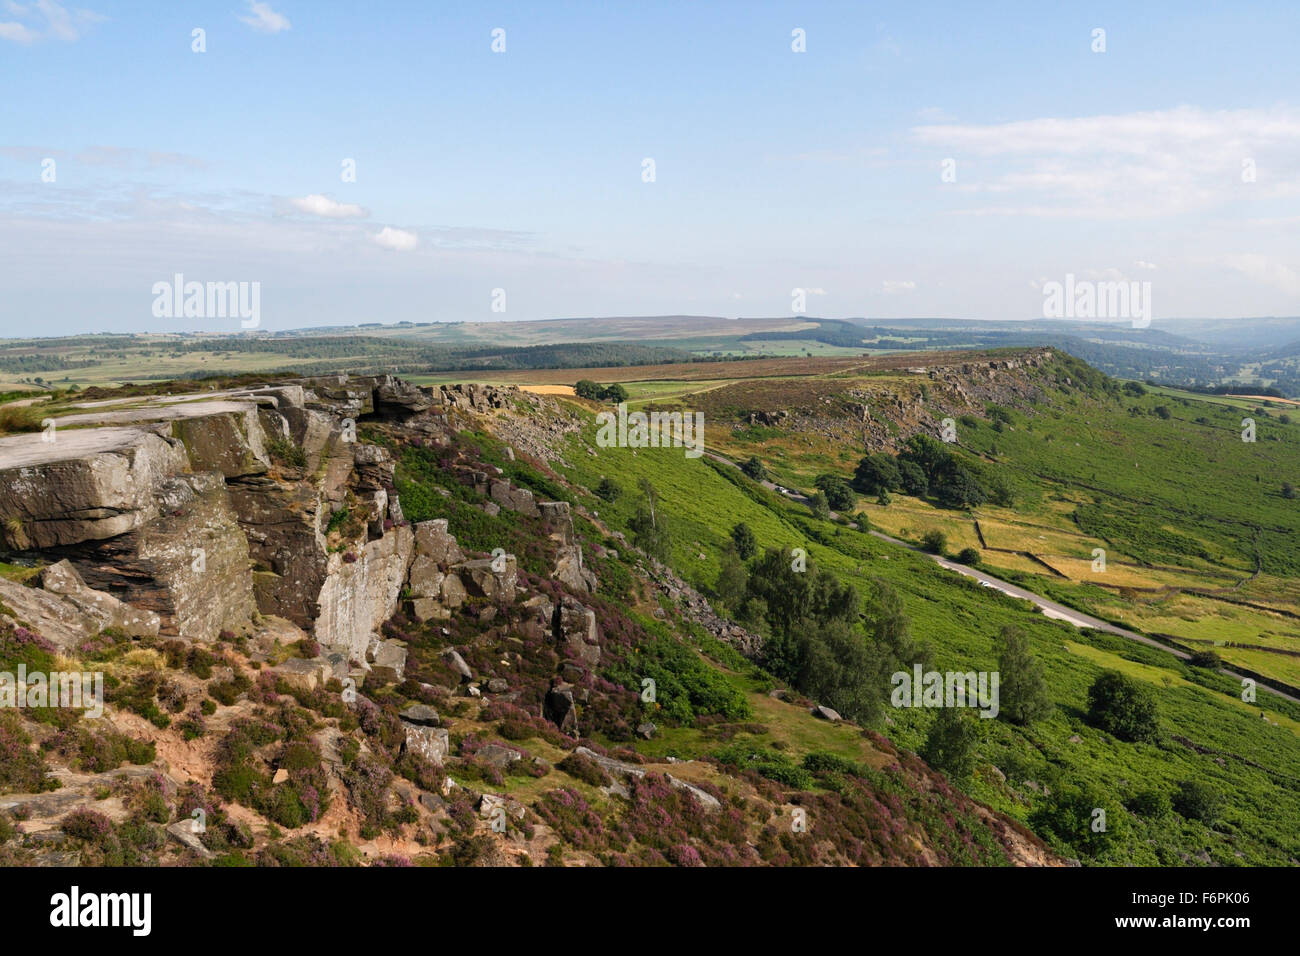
<point>1052,609</point>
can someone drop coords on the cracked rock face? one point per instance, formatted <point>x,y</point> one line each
<point>87,484</point>
<point>189,565</point>
<point>358,596</point>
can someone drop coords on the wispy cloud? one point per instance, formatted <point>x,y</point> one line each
<point>1152,163</point>
<point>318,205</point>
<point>45,19</point>
<point>264,19</point>
<point>1267,270</point>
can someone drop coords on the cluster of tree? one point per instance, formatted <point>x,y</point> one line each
<point>614,393</point>
<point>40,363</point>
<point>838,493</point>
<point>952,744</point>
<point>820,635</point>
<point>926,468</point>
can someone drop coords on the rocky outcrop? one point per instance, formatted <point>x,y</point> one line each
<point>283,522</point>
<point>574,628</point>
<point>618,768</point>
<point>70,612</point>
<point>232,443</point>
<point>569,567</point>
<point>695,607</point>
<point>105,611</point>
<point>85,485</point>
<point>189,564</point>
<point>360,594</point>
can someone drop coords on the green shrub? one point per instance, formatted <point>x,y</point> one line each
<point>1197,801</point>
<point>1121,706</point>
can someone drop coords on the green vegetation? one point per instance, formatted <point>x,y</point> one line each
<point>961,626</point>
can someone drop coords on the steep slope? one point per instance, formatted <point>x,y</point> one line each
<point>338,621</point>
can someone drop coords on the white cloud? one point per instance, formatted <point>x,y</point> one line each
<point>264,19</point>
<point>318,205</point>
<point>16,32</point>
<point>1143,264</point>
<point>399,240</point>
<point>895,286</point>
<point>46,18</point>
<point>1153,163</point>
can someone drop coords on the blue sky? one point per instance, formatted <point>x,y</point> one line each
<point>522,170</point>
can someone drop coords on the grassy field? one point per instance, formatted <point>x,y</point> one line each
<point>1177,503</point>
<point>960,622</point>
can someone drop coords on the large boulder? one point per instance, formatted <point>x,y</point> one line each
<point>493,578</point>
<point>189,565</point>
<point>574,628</point>
<point>511,498</point>
<point>431,743</point>
<point>103,609</point>
<point>231,443</point>
<point>560,709</point>
<point>387,661</point>
<point>86,485</point>
<point>433,541</point>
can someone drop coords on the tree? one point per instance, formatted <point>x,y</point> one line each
<point>838,671</point>
<point>958,488</point>
<point>586,388</point>
<point>1288,490</point>
<point>928,454</point>
<point>934,541</point>
<point>744,540</point>
<point>837,491</point>
<point>609,490</point>
<point>798,604</point>
<point>754,469</point>
<point>1151,804</point>
<point>818,506</point>
<point>1071,816</point>
<point>875,473</point>
<point>1121,706</point>
<point>1163,412</point>
<point>614,394</point>
<point>950,745</point>
<point>649,526</point>
<point>1197,801</point>
<point>1022,689</point>
<point>732,580</point>
<point>912,479</point>
<point>968,556</point>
